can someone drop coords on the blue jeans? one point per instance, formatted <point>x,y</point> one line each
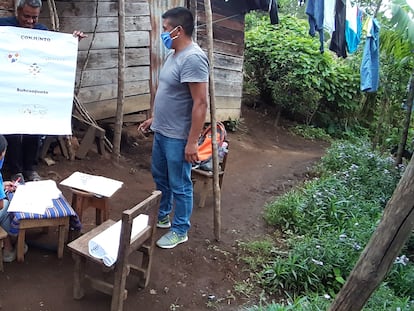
<point>5,219</point>
<point>172,176</point>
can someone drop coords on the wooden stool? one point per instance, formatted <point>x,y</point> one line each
<point>81,200</point>
<point>61,222</point>
<point>3,235</point>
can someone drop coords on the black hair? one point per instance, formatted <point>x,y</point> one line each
<point>3,144</point>
<point>181,16</point>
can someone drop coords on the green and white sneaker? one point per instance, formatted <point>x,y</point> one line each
<point>164,223</point>
<point>171,239</point>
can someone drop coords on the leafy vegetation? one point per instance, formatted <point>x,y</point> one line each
<point>285,71</point>
<point>283,64</point>
<point>325,224</point>
<point>311,132</point>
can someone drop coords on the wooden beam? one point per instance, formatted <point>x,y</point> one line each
<point>76,9</point>
<point>108,58</point>
<point>109,40</point>
<point>107,108</point>
<point>105,24</point>
<point>109,91</point>
<point>109,76</point>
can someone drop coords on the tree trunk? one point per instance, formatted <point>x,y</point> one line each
<point>366,116</point>
<point>384,246</point>
<point>121,81</point>
<point>380,125</point>
<point>407,121</point>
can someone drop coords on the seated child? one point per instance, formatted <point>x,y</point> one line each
<point>9,253</point>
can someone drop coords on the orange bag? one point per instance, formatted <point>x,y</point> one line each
<point>205,149</point>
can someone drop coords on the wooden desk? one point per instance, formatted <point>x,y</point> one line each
<point>82,200</point>
<point>61,215</point>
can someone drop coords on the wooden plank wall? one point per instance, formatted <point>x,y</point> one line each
<point>6,7</point>
<point>96,79</point>
<point>228,55</point>
<point>97,72</point>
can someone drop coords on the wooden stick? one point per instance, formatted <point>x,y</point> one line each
<point>216,186</point>
<point>121,81</point>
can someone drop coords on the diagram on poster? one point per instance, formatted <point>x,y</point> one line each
<point>37,77</point>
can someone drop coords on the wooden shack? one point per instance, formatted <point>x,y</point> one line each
<point>96,79</point>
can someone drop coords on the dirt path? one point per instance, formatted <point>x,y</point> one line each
<point>263,162</point>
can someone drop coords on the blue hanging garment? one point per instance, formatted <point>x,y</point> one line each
<point>353,27</point>
<point>315,12</point>
<point>370,60</point>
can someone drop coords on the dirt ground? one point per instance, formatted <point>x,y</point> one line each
<point>263,162</point>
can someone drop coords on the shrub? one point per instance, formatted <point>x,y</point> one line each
<point>284,64</point>
<point>327,222</point>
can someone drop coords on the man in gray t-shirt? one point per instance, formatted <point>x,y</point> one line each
<point>178,117</point>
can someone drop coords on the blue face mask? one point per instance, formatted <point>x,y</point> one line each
<point>166,38</point>
<point>1,163</point>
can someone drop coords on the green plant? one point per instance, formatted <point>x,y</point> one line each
<point>326,224</point>
<point>232,125</point>
<point>256,253</point>
<point>283,67</point>
<point>311,132</point>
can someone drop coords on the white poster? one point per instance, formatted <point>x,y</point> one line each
<point>37,76</point>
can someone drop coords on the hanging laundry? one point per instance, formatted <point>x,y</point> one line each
<point>273,12</point>
<point>338,42</point>
<point>370,59</point>
<point>329,16</point>
<point>270,6</point>
<point>315,12</point>
<point>353,27</point>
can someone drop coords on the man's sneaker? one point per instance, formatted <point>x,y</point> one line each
<point>164,223</point>
<point>171,239</point>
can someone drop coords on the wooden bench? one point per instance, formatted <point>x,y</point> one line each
<point>143,242</point>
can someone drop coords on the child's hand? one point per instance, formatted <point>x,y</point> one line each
<point>10,186</point>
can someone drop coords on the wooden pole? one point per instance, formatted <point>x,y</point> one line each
<point>121,81</point>
<point>378,256</point>
<point>216,186</point>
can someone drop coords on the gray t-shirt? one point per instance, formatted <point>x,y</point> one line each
<point>173,103</point>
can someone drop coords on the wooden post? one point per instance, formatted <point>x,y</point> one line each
<point>216,186</point>
<point>385,244</point>
<point>121,81</point>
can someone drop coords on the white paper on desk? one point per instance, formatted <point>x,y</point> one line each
<point>34,197</point>
<point>92,183</point>
<point>106,244</point>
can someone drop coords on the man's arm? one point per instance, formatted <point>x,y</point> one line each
<point>199,94</point>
